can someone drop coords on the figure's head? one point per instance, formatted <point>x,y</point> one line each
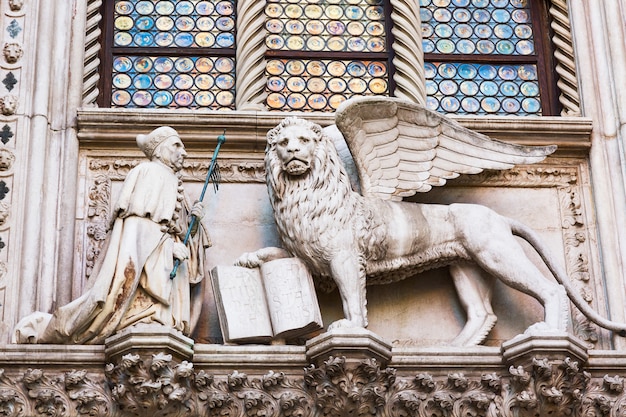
<point>163,144</point>
<point>294,142</point>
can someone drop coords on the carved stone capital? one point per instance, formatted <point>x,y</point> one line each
<point>353,344</point>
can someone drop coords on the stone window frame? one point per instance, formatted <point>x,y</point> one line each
<point>408,59</point>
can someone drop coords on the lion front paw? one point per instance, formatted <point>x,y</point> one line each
<point>344,324</point>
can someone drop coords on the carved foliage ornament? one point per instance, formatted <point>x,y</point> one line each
<point>158,386</point>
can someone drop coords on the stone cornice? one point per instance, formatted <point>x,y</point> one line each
<point>246,130</point>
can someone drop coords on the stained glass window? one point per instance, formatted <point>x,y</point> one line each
<point>482,57</point>
<point>320,53</point>
<point>169,53</point>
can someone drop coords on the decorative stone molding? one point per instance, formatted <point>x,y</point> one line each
<point>91,75</point>
<point>565,60</point>
<point>408,55</point>
<point>250,73</point>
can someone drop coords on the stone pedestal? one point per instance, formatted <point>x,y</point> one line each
<point>148,339</point>
<point>553,346</point>
<point>355,344</point>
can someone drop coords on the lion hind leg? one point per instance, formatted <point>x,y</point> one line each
<point>348,271</point>
<point>474,289</point>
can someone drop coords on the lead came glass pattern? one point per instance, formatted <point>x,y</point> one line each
<point>140,81</point>
<point>176,24</point>
<point>322,85</point>
<point>482,89</point>
<point>327,29</point>
<point>156,54</point>
<point>501,27</point>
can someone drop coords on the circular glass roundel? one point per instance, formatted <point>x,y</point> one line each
<point>315,43</point>
<point>317,101</point>
<point>315,68</point>
<point>445,46</point>
<point>507,72</point>
<point>313,11</point>
<point>314,27</point>
<point>293,11</point>
<point>275,67</point>
<point>204,8</point>
<point>531,105</point>
<point>509,89</point>
<point>450,104</point>
<point>480,3</point>
<point>274,26</point>
<point>353,12</point>
<point>443,30</point>
<point>377,85</point>
<point>162,98</point>
<point>275,84</point>
<point>529,89</point>
<point>357,85</point>
<point>467,71</point>
<point>163,81</point>
<point>520,16</point>
<point>355,28</point>
<point>470,104</point>
<point>144,7</point>
<point>273,10</point>
<point>432,103</point>
<point>225,98</point>
<point>427,31</point>
<point>295,67</point>
<point>295,43</point>
<point>316,85</point>
<point>122,64</point>
<point>143,39</point>
<point>499,3</point>
<point>296,101</point>
<point>183,39</point>
<point>425,15</point>
<point>164,23</point>
<point>447,70</point>
<point>296,84</point>
<point>490,104</point>
<point>336,43</point>
<point>481,16</point>
<point>224,65</point>
<point>143,64</point>
<point>183,81</point>
<point>523,31</point>
<point>123,39</point>
<point>185,23</point>
<point>184,7</point>
<point>164,39</point>
<point>225,8</point>
<point>463,31</point>
<point>510,105</point>
<point>144,23</point>
<point>461,15</point>
<point>225,40</point>
<point>164,8</point>
<point>428,46</point>
<point>431,87</point>
<point>204,64</point>
<point>183,64</point>
<point>335,27</point>
<point>461,3</point>
<point>123,7</point>
<point>505,47</point>
<point>204,39</point>
<point>429,70</point>
<point>465,46</point>
<point>337,85</point>
<point>335,100</point>
<point>376,69</point>
<point>441,3</point>
<point>442,15</point>
<point>448,87</point>
<point>204,98</point>
<point>142,98</point>
<point>483,31</point>
<point>485,46</point>
<point>123,23</point>
<point>225,23</point>
<point>489,88</point>
<point>503,31</point>
<point>336,68</point>
<point>501,15</point>
<point>374,12</point>
<point>276,101</point>
<point>375,29</point>
<point>183,98</point>
<point>225,81</point>
<point>120,98</point>
<point>469,88</point>
<point>376,45</point>
<point>274,41</point>
<point>527,72</point>
<point>525,47</point>
<point>121,81</point>
<point>356,69</point>
<point>295,27</point>
<point>487,72</point>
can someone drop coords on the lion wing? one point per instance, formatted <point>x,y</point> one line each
<point>400,148</point>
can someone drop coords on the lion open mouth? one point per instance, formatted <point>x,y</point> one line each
<point>296,166</point>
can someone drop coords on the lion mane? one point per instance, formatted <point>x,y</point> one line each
<point>303,205</point>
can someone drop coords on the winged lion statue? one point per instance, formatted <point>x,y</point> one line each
<point>349,239</point>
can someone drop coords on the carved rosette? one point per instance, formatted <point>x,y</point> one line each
<point>408,54</point>
<point>250,76</point>
<point>158,386</point>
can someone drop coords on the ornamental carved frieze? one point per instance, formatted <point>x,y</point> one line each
<point>159,386</point>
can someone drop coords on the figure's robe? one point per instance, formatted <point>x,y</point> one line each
<point>132,282</point>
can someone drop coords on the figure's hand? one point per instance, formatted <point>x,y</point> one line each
<point>180,251</point>
<point>198,209</point>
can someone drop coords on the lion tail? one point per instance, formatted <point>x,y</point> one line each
<point>526,233</point>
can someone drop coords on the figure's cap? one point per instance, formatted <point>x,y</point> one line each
<point>148,143</point>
